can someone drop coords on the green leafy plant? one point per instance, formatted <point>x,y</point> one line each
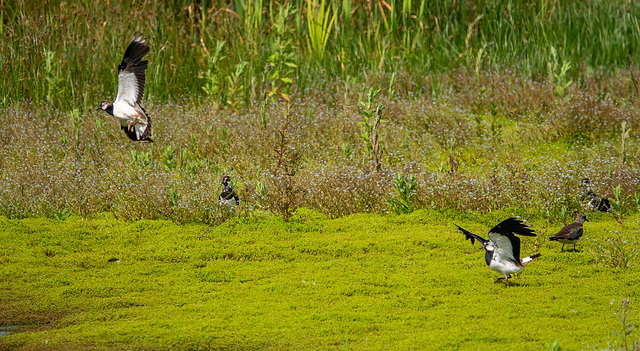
<point>405,192</point>
<point>559,75</point>
<point>435,86</point>
<point>173,197</point>
<point>617,203</point>
<point>235,86</point>
<point>347,150</point>
<point>169,158</point>
<point>224,139</point>
<point>615,252</point>
<point>53,77</point>
<point>563,213</point>
<point>555,346</point>
<point>100,125</point>
<point>627,329</point>
<point>75,119</point>
<point>624,135</point>
<point>211,77</point>
<point>371,112</point>
<point>141,158</point>
<point>261,189</point>
<point>454,164</point>
<point>194,166</point>
<point>61,214</point>
<point>281,67</point>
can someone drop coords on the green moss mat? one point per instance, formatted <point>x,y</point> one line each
<point>359,282</point>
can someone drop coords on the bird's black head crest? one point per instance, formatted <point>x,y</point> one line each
<point>104,105</point>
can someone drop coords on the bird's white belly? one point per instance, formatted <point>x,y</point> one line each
<point>229,202</point>
<point>124,111</point>
<point>504,267</point>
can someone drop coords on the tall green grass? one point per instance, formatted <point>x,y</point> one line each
<point>66,54</point>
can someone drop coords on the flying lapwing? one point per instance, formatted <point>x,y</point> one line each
<point>134,120</point>
<point>571,233</point>
<point>228,197</point>
<point>591,200</point>
<point>502,249</point>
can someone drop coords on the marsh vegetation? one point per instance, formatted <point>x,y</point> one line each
<point>479,105</point>
<point>353,132</point>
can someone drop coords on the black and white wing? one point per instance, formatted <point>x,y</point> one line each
<point>228,194</point>
<point>131,76</point>
<point>513,225</point>
<point>507,244</point>
<point>470,236</point>
<point>507,248</point>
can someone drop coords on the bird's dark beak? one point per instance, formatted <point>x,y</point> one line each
<point>481,247</point>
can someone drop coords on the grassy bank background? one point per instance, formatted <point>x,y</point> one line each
<point>234,53</point>
<point>362,281</point>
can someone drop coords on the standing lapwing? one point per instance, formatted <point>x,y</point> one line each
<point>228,197</point>
<point>592,201</point>
<point>133,118</point>
<point>502,250</point>
<point>571,233</point>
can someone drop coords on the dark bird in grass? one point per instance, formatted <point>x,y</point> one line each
<point>228,197</point>
<point>127,108</point>
<point>592,201</point>
<point>571,233</point>
<point>502,249</point>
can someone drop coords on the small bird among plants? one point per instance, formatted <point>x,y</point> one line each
<point>593,201</point>
<point>228,197</point>
<point>571,234</point>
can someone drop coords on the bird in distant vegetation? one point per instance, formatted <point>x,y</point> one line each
<point>594,202</point>
<point>134,120</point>
<point>228,197</point>
<point>502,249</point>
<point>570,234</point>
